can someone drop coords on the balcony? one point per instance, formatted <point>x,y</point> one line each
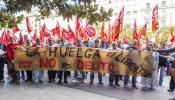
<point>160,8</point>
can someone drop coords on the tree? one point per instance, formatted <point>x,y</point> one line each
<point>66,8</point>
<point>8,20</point>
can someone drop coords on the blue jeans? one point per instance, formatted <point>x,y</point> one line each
<point>99,77</point>
<point>76,74</point>
<point>34,75</point>
<point>114,78</point>
<point>40,75</point>
<point>162,74</point>
<point>126,78</point>
<point>37,75</point>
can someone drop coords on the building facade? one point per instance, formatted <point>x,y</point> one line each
<point>141,10</point>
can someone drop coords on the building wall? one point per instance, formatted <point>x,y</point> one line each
<point>141,10</point>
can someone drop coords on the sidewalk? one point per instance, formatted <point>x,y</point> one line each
<point>81,91</point>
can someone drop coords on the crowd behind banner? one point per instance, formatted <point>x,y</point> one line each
<point>15,55</point>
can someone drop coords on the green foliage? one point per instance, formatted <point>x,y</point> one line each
<point>66,8</point>
<point>8,20</point>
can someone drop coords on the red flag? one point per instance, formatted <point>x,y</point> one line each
<point>21,37</point>
<point>81,33</point>
<point>45,31</point>
<point>29,28</point>
<point>77,27</point>
<point>72,36</point>
<point>6,37</point>
<point>56,30</point>
<point>143,30</point>
<point>155,21</point>
<point>172,35</point>
<point>135,35</point>
<point>103,35</point>
<point>65,34</point>
<point>110,35</point>
<point>12,34</point>
<point>125,38</point>
<point>118,24</point>
<point>41,36</point>
<point>34,35</point>
<point>90,31</point>
<point>15,29</point>
<point>2,36</point>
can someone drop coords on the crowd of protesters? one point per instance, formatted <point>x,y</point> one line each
<point>162,66</point>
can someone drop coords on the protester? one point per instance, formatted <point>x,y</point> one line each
<point>119,47</point>
<point>112,76</point>
<point>162,64</point>
<point>168,51</point>
<point>61,73</point>
<point>2,60</point>
<point>29,73</point>
<point>76,73</point>
<point>86,44</point>
<point>172,81</point>
<point>150,82</point>
<point>15,75</point>
<point>51,74</point>
<point>126,77</point>
<point>22,72</point>
<point>96,45</point>
<point>103,45</point>
<point>37,75</point>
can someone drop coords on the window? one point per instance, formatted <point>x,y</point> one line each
<point>163,23</point>
<point>147,5</point>
<point>148,24</point>
<point>135,12</point>
<point>115,14</point>
<point>163,13</point>
<point>163,3</point>
<point>147,15</point>
<point>128,13</point>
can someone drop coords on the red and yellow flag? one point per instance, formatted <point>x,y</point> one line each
<point>143,30</point>
<point>117,26</point>
<point>135,35</point>
<point>155,21</point>
<point>103,35</point>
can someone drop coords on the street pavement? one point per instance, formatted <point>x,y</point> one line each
<point>81,91</point>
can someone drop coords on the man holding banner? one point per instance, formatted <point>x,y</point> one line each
<point>29,73</point>
<point>96,45</point>
<point>51,74</point>
<point>38,74</point>
<point>133,47</point>
<point>112,76</point>
<point>62,73</point>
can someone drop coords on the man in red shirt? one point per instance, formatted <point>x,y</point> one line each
<point>11,47</point>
